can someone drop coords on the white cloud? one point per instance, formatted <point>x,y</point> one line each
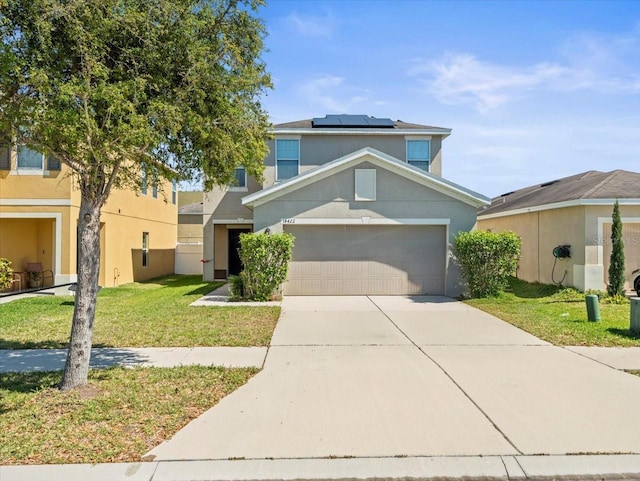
<point>588,62</point>
<point>332,94</point>
<point>463,79</point>
<point>313,26</point>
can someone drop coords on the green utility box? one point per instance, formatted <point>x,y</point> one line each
<point>593,308</point>
<point>635,315</point>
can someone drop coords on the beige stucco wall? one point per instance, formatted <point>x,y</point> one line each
<point>124,218</point>
<point>586,228</point>
<point>190,228</point>
<point>541,232</point>
<point>598,237</point>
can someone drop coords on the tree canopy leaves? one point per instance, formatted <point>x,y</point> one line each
<point>109,85</point>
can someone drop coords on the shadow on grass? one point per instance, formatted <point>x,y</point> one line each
<point>26,382</point>
<point>530,290</point>
<point>185,281</point>
<point>204,290</point>
<point>624,333</point>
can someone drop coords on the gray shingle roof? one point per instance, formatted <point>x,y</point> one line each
<point>399,124</point>
<point>195,208</point>
<point>617,184</point>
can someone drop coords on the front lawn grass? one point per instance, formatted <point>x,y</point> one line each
<point>143,314</point>
<point>559,316</point>
<point>118,417</point>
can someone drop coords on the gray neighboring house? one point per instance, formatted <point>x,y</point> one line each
<point>365,200</point>
<point>573,211</point>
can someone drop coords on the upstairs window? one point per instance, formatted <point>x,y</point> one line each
<point>143,183</point>
<point>174,192</point>
<point>5,156</point>
<point>287,158</point>
<point>154,187</point>
<point>419,153</point>
<point>30,159</point>
<point>239,179</point>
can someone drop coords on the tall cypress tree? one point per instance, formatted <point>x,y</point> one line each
<point>616,264</point>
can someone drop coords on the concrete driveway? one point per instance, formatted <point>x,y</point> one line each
<point>422,376</point>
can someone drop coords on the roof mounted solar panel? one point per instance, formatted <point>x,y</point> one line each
<point>351,121</point>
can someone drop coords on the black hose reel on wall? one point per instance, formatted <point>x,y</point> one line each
<point>563,251</point>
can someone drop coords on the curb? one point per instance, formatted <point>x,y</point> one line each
<point>469,468</point>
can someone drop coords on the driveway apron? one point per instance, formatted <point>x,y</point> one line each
<point>412,376</point>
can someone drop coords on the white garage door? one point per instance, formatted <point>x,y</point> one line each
<point>355,260</point>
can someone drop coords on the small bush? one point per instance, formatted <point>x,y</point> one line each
<point>265,259</point>
<point>568,294</point>
<point>486,260</point>
<point>6,273</point>
<point>236,288</point>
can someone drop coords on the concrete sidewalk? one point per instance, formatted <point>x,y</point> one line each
<point>53,359</point>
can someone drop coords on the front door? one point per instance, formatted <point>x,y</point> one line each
<point>235,265</point>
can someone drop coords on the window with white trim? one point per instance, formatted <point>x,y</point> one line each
<point>145,249</point>
<point>419,153</point>
<point>30,159</point>
<point>287,158</point>
<point>239,179</point>
<point>174,192</point>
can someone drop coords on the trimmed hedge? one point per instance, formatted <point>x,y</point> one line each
<point>265,259</point>
<point>486,260</point>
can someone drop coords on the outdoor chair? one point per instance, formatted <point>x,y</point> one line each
<point>36,275</point>
<point>16,281</point>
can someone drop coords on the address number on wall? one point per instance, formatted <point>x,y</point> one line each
<point>291,220</point>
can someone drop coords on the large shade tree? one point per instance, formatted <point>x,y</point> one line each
<point>115,88</point>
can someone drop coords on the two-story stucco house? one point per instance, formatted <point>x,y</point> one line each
<point>365,200</point>
<point>39,205</point>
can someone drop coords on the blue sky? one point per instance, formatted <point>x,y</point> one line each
<point>533,91</point>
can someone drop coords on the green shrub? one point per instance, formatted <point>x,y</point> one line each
<point>265,259</point>
<point>236,288</point>
<point>616,264</point>
<point>486,260</point>
<point>6,273</point>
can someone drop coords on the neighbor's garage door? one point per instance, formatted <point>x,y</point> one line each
<point>354,260</point>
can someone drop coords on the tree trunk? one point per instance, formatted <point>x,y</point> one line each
<point>76,368</point>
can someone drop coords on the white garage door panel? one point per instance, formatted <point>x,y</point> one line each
<point>353,260</point>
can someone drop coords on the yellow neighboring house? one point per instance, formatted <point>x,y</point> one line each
<point>39,206</point>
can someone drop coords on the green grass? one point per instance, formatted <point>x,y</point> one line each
<point>145,314</point>
<point>121,415</point>
<point>559,316</point>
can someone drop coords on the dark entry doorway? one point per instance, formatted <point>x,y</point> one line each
<point>235,265</point>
